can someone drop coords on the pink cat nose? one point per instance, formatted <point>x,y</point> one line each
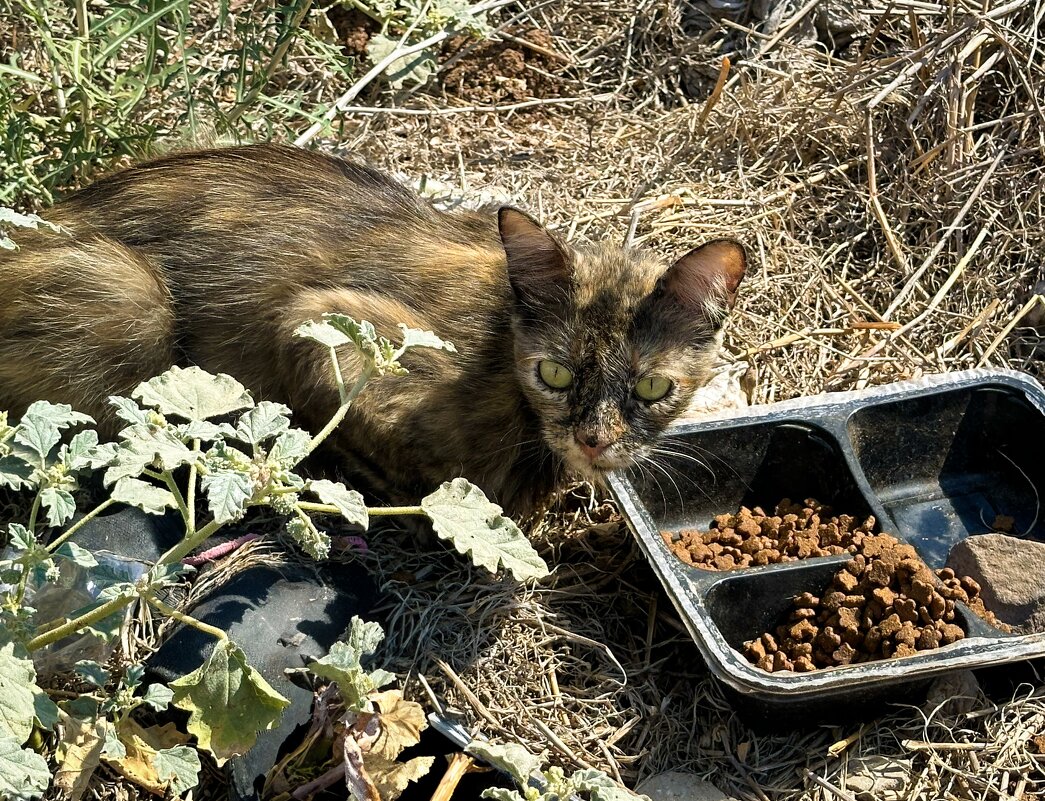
<point>592,446</point>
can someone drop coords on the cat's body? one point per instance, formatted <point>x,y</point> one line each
<point>215,257</point>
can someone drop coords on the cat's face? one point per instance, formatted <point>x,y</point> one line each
<point>610,344</point>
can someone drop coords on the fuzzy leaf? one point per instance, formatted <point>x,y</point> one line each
<point>461,513</point>
<point>193,393</point>
<point>20,537</point>
<point>413,69</point>
<point>24,774</point>
<point>80,754</point>
<point>228,493</point>
<point>343,664</point>
<point>93,672</point>
<point>135,757</point>
<point>265,420</point>
<point>511,758</point>
<point>17,688</point>
<point>81,451</point>
<point>323,333</point>
<point>349,502</point>
<point>143,495</point>
<point>158,696</point>
<point>39,429</point>
<point>417,338</point>
<point>402,722</point>
<point>178,768</point>
<point>142,446</point>
<point>290,447</point>
<point>76,554</point>
<point>12,217</point>
<point>392,778</point>
<point>45,710</point>
<point>15,473</point>
<point>59,504</point>
<point>228,702</point>
<point>128,410</point>
<point>205,430</point>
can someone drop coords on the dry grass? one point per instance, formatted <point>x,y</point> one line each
<point>888,180</point>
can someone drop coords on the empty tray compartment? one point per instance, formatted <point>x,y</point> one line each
<point>717,471</point>
<point>945,465</point>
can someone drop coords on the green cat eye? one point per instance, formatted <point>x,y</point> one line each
<point>554,374</point>
<point>653,387</point>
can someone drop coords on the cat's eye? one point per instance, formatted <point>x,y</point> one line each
<point>554,374</point>
<point>653,387</point>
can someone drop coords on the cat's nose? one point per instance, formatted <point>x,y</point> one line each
<point>591,445</point>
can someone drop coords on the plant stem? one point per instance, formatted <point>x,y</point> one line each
<point>191,489</point>
<point>97,510</point>
<point>188,516</point>
<point>35,511</point>
<point>380,511</point>
<point>53,635</point>
<point>339,415</point>
<point>188,620</point>
<point>189,544</point>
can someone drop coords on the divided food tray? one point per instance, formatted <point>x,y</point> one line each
<point>934,460</point>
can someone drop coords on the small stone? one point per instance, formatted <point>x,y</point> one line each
<point>879,778</point>
<point>675,785</point>
<point>999,565</point>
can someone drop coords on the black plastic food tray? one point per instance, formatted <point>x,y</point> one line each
<point>934,460</point>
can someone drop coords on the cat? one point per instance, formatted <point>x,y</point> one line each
<point>570,360</point>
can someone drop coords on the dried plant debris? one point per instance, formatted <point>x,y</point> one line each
<point>884,603</point>
<point>751,537</point>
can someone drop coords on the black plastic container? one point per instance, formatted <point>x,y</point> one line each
<point>934,460</point>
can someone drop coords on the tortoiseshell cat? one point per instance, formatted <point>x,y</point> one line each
<point>570,359</point>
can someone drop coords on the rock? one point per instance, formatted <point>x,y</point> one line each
<point>878,778</point>
<point>953,695</point>
<point>1009,585</point>
<point>675,785</point>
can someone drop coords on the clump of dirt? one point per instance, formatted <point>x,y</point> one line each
<point>752,537</point>
<point>884,603</point>
<point>522,66</point>
<point>353,28</point>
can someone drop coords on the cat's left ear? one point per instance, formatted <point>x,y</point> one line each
<point>707,277</point>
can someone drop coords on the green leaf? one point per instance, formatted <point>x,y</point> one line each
<point>128,410</point>
<point>349,502</point>
<point>92,672</point>
<point>290,447</point>
<point>145,446</point>
<point>15,473</point>
<point>417,338</point>
<point>511,758</point>
<point>80,452</point>
<point>414,69</point>
<point>158,696</point>
<point>205,430</point>
<point>143,495</point>
<point>193,393</point>
<point>228,493</point>
<point>24,774</point>
<point>12,217</point>
<point>324,333</point>
<point>179,766</point>
<point>17,688</point>
<point>59,504</point>
<point>228,702</point>
<point>601,787</point>
<point>265,420</point>
<point>343,664</point>
<point>39,429</point>
<point>45,710</point>
<point>20,537</point>
<point>77,555</point>
<point>501,794</point>
<point>461,513</point>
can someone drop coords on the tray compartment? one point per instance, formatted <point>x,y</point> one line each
<point>719,470</point>
<point>944,465</point>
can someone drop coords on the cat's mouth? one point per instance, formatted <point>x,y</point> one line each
<point>594,467</point>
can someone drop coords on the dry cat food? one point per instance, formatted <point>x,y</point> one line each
<point>751,537</point>
<point>884,603</point>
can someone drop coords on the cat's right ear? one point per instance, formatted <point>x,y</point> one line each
<point>538,265</point>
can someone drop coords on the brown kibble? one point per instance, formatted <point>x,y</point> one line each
<point>891,625</point>
<point>804,664</point>
<point>807,599</point>
<point>769,643</point>
<point>748,528</point>
<point>951,632</point>
<point>724,562</point>
<point>803,630</point>
<point>856,565</point>
<point>754,650</point>
<point>846,581</point>
<point>884,595</point>
<point>832,600</point>
<point>921,591</point>
<point>828,640</point>
<point>879,573</point>
<point>903,649</point>
<point>906,609</point>
<point>766,663</point>
<point>780,661</point>
<point>848,619</point>
<point>928,639</point>
<point>845,654</point>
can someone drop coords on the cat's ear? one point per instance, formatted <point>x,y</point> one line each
<point>707,277</point>
<point>538,264</point>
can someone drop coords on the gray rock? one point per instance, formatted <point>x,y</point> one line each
<point>675,785</point>
<point>879,778</point>
<point>1011,575</point>
<point>952,695</point>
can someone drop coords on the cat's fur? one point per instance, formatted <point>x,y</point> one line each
<point>215,257</point>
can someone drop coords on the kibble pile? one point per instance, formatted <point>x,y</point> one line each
<point>884,603</point>
<point>751,537</point>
